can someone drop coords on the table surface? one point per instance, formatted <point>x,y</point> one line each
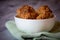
<point>8,11</point>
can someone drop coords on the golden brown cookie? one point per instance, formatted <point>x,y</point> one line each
<point>26,12</point>
<point>44,9</point>
<point>44,12</point>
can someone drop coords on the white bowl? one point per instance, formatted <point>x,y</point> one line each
<point>34,25</point>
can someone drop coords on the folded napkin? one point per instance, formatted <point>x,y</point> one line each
<point>11,26</point>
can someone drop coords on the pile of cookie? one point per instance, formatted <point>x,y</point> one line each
<point>28,12</point>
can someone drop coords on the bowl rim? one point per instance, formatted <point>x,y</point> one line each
<point>36,19</point>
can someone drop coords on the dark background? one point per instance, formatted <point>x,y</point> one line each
<point>8,11</point>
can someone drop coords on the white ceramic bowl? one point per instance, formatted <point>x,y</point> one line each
<point>33,25</point>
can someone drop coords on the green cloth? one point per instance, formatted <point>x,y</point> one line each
<point>11,26</point>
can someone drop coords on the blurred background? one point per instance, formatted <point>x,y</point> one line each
<point>8,9</point>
